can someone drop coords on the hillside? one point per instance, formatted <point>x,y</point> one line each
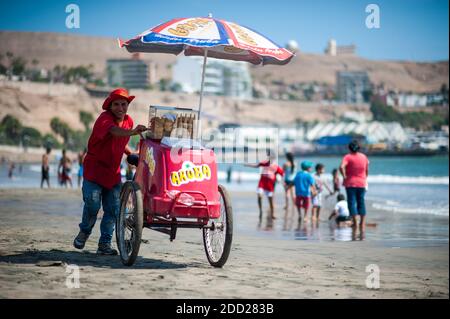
<point>401,75</point>
<point>34,104</point>
<point>51,49</point>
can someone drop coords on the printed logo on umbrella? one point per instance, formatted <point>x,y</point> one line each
<point>183,29</point>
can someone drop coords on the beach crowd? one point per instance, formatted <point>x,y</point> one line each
<point>307,189</point>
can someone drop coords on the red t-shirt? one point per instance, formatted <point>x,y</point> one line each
<point>355,170</point>
<point>102,162</point>
<point>269,175</point>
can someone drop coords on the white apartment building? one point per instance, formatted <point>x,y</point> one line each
<point>222,77</point>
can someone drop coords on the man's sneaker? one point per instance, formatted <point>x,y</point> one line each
<point>80,240</point>
<point>106,249</point>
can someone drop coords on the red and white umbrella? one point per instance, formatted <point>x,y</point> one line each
<point>209,37</point>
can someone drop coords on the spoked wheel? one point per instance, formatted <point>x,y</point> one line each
<point>217,237</point>
<point>129,223</point>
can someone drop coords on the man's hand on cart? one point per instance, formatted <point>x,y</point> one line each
<point>120,132</point>
<point>139,129</point>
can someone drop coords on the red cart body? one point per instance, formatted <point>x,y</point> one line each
<point>178,185</point>
<point>175,186</point>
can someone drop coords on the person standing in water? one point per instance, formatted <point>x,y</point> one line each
<point>229,173</point>
<point>336,183</point>
<point>45,169</point>
<point>11,169</point>
<point>355,169</point>
<point>65,166</point>
<point>304,188</point>
<point>266,184</point>
<point>289,174</point>
<point>319,184</point>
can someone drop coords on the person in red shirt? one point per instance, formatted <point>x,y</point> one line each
<point>355,169</point>
<point>266,185</point>
<point>101,169</point>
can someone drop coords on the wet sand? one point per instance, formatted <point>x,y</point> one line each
<point>37,228</point>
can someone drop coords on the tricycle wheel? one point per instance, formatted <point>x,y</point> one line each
<point>129,223</point>
<point>217,237</point>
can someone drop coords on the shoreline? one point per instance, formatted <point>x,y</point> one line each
<point>36,245</point>
<point>32,156</point>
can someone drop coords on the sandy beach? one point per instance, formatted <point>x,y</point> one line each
<point>37,228</point>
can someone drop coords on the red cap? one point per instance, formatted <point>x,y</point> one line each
<point>119,93</point>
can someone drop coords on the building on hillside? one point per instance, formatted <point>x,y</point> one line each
<point>353,86</point>
<point>333,49</point>
<point>305,136</point>
<point>222,77</point>
<point>407,100</point>
<point>411,100</point>
<point>375,132</point>
<point>130,73</point>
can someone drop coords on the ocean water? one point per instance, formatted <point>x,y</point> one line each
<point>410,185</point>
<point>402,185</point>
<point>407,199</point>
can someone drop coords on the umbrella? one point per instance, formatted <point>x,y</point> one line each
<point>209,37</point>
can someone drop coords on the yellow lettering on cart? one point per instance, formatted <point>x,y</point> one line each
<point>198,173</point>
<point>206,171</point>
<point>182,175</point>
<point>190,172</point>
<point>175,179</point>
<point>150,160</point>
<point>183,29</point>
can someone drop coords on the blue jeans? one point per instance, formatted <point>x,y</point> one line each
<point>95,196</point>
<point>355,200</point>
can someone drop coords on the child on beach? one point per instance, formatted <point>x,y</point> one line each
<point>289,174</point>
<point>266,185</point>
<point>336,182</point>
<point>65,166</point>
<point>341,213</point>
<point>304,188</point>
<point>320,184</point>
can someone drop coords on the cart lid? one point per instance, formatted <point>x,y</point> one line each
<point>181,143</point>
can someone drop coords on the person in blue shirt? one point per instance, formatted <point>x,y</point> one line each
<point>304,188</point>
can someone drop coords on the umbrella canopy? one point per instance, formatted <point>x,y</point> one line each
<point>206,36</point>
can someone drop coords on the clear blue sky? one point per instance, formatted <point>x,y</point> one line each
<point>410,29</point>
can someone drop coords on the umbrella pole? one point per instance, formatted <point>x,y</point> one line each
<point>199,122</point>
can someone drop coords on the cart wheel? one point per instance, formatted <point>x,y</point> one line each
<point>217,241</point>
<point>129,223</point>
